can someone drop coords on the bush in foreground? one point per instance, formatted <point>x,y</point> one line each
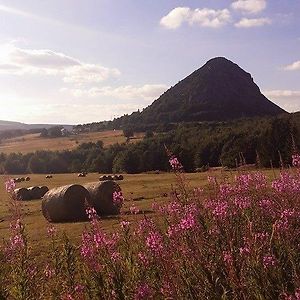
<point>240,240</point>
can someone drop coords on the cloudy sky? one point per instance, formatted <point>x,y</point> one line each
<point>78,61</point>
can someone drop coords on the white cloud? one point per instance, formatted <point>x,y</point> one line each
<point>19,61</point>
<point>175,17</point>
<point>293,67</point>
<point>282,93</point>
<point>128,92</point>
<point>85,73</point>
<point>248,23</point>
<point>249,6</point>
<point>287,99</point>
<point>204,17</point>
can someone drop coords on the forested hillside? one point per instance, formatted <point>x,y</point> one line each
<point>264,141</point>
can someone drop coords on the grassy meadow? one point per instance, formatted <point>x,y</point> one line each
<point>140,190</point>
<point>219,235</point>
<point>33,142</point>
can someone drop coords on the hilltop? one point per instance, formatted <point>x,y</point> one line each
<point>218,91</point>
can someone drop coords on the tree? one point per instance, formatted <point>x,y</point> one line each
<point>128,133</point>
<point>44,132</point>
<point>55,131</point>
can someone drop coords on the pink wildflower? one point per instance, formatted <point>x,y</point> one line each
<point>175,164</point>
<point>143,292</point>
<point>91,213</point>
<point>51,230</point>
<point>10,185</point>
<point>134,210</point>
<point>242,202</point>
<point>116,256</point>
<point>118,199</point>
<point>269,261</point>
<point>296,160</point>
<point>227,257</point>
<point>125,224</point>
<point>154,242</point>
<point>245,250</point>
<point>143,258</point>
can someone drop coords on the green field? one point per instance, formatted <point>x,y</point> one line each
<point>140,190</point>
<point>33,142</point>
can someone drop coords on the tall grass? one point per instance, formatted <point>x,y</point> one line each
<point>240,240</point>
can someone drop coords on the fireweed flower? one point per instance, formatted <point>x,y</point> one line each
<point>269,261</point>
<point>125,224</point>
<point>212,179</point>
<point>51,231</point>
<point>154,242</point>
<point>175,164</point>
<point>118,199</point>
<point>91,213</point>
<point>227,257</point>
<point>143,258</point>
<point>10,185</point>
<point>242,202</point>
<point>142,292</point>
<point>134,210</point>
<point>296,160</point>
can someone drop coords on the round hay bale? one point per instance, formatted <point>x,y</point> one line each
<point>49,176</point>
<point>43,190</point>
<point>22,179</point>
<point>102,197</point>
<point>27,178</point>
<point>109,177</point>
<point>81,175</point>
<point>21,194</point>
<point>34,192</point>
<point>102,178</point>
<point>120,177</point>
<point>66,203</point>
<point>115,177</point>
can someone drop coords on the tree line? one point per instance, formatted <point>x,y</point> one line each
<point>264,141</point>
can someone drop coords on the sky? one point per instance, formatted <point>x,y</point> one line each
<point>81,61</point>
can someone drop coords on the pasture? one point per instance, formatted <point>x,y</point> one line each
<point>222,224</point>
<point>140,190</point>
<point>33,142</point>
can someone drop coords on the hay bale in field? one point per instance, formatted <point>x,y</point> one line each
<point>21,194</point>
<point>102,197</point>
<point>17,180</point>
<point>120,177</point>
<point>81,175</point>
<point>66,203</point>
<point>27,178</point>
<point>109,177</point>
<point>115,177</point>
<point>34,192</point>
<point>22,179</point>
<point>103,178</point>
<point>43,190</point>
<point>49,176</point>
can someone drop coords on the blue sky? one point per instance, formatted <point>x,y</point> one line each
<point>71,61</point>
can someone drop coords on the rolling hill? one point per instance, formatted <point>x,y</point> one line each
<point>10,125</point>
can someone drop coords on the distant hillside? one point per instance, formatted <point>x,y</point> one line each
<point>220,90</point>
<point>10,125</point>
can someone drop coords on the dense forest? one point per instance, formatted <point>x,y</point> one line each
<point>264,141</point>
